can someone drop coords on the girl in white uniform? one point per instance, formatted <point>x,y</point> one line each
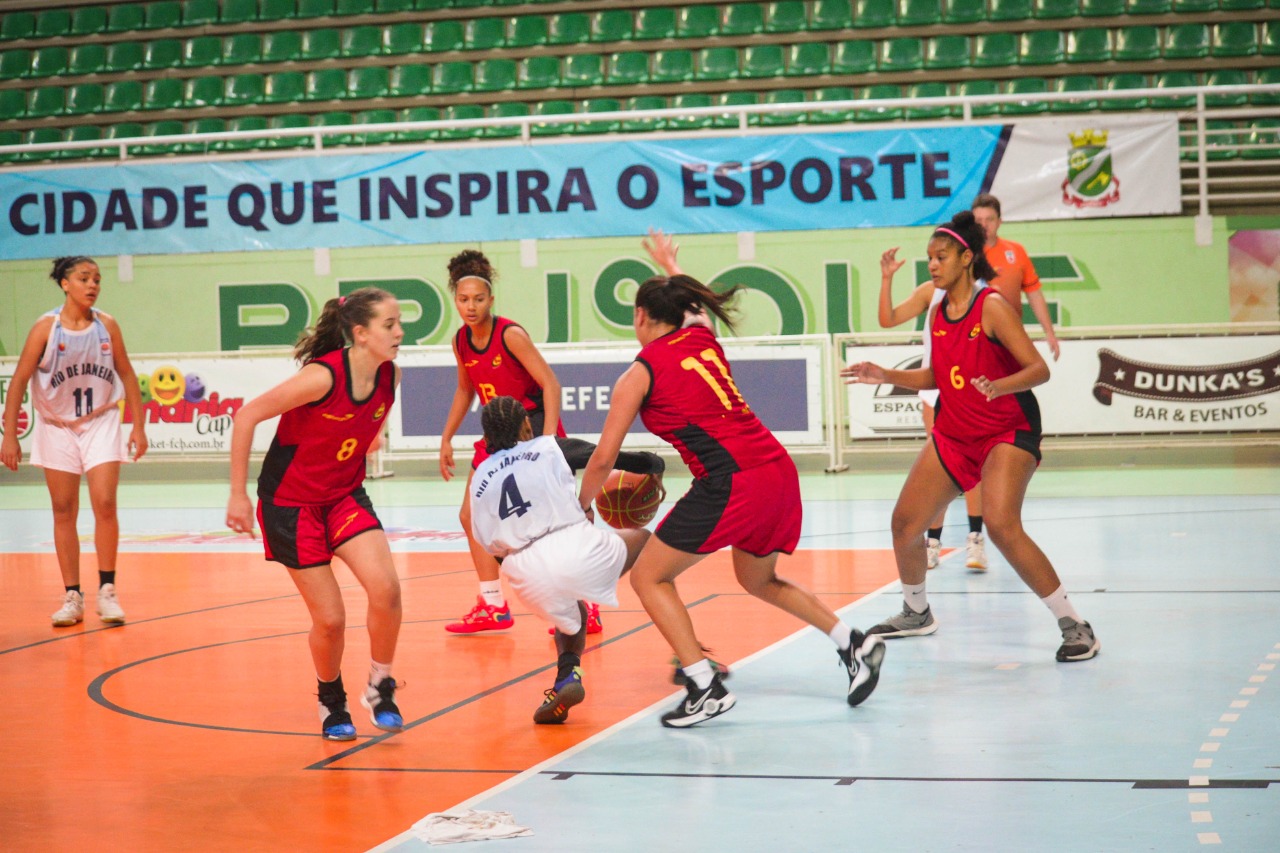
<point>82,371</point>
<point>525,512</point>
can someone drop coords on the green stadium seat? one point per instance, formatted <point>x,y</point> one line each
<point>1091,45</point>
<point>495,75</point>
<point>733,99</point>
<point>123,96</point>
<point>629,68</point>
<point>43,136</point>
<point>369,82</point>
<point>289,122</point>
<point>1052,9</point>
<point>443,36</point>
<point>285,87</point>
<point>125,18</point>
<point>410,80</point>
<point>928,90</point>
<point>1221,140</point>
<point>202,52</point>
<point>1186,41</point>
<point>326,84</point>
<point>853,57</point>
<point>832,93</point>
<point>321,44</point>
<point>509,109</point>
<point>452,77</point>
<point>641,104</point>
<point>276,10</point>
<point>809,59</point>
<point>242,49</point>
<point>15,64</point>
<point>1267,76</point>
<point>1234,39</point>
<point>336,118</point>
<point>1120,82</point>
<point>376,117</point>
<point>402,39</point>
<point>1137,44</point>
<point>763,60</point>
<point>348,8</point>
<point>123,56</point>
<point>569,28</point>
<point>692,100</point>
<point>582,70</point>
<point>485,33</point>
<point>1227,77</point>
<point>49,61</point>
<point>314,8</point>
<point>742,19</point>
<point>1190,6</point>
<point>361,41</point>
<point>1244,5</point>
<point>418,114</point>
<point>1148,7</point>
<point>1102,8</point>
<point>671,66</point>
<point>1041,47</point>
<point>1262,141</point>
<point>878,92</point>
<point>1270,43</point>
<point>47,101</point>
<point>13,103</point>
<point>538,72</point>
<point>282,46</point>
<point>202,126</point>
<point>244,123</point>
<point>612,25</point>
<point>52,23</point>
<point>788,16</point>
<point>1172,80</point>
<point>85,98</point>
<point>695,22</point>
<point>199,13</point>
<point>600,105</point>
<point>830,15</point>
<point>978,88</point>
<point>901,54</point>
<point>918,13</point>
<point>947,52</point>
<point>528,31</point>
<point>17,25</point>
<point>717,63</point>
<point>10,137</point>
<point>163,15</point>
<point>123,130</point>
<point>1075,83</point>
<point>1010,10</point>
<point>655,23</point>
<point>85,133</point>
<point>391,7</point>
<point>238,12</point>
<point>964,11</point>
<point>552,108</point>
<point>995,49</point>
<point>784,96</point>
<point>205,92</point>
<point>431,5</point>
<point>1030,87</point>
<point>873,13</point>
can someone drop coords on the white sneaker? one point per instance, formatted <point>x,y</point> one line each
<point>977,553</point>
<point>108,607</point>
<point>932,550</point>
<point>71,611</point>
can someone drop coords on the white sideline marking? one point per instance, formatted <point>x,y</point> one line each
<point>1208,838</point>
<point>1202,763</point>
<point>1197,798</point>
<point>1202,817</point>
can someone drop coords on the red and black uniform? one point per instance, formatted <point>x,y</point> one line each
<point>496,372</point>
<point>967,425</point>
<point>746,492</point>
<point>310,497</point>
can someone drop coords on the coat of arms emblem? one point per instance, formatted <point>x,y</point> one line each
<point>1091,179</point>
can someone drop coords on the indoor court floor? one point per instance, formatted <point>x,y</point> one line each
<point>193,727</point>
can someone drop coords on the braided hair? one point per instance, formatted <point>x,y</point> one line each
<point>470,263</point>
<point>502,419</point>
<point>666,299</point>
<point>967,234</point>
<point>62,267</point>
<point>338,317</point>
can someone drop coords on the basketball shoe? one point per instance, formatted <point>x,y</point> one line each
<point>678,677</point>
<point>594,625</point>
<point>908,623</point>
<point>380,701</point>
<point>566,693</point>
<point>1078,640</point>
<point>71,611</point>
<point>335,722</point>
<point>700,705</point>
<point>932,553</point>
<point>483,617</point>
<point>977,558</point>
<point>862,661</point>
<point>108,607</point>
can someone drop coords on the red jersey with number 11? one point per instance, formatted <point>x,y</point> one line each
<point>694,404</point>
<point>317,455</point>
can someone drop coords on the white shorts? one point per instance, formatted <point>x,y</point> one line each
<point>78,449</point>
<point>581,561</point>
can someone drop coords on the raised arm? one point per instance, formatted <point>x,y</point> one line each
<point>913,306</point>
<point>662,248</point>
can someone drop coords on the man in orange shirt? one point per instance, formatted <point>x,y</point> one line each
<point>1014,273</point>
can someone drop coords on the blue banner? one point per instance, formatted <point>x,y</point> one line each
<point>449,195</point>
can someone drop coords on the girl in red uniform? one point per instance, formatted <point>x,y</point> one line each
<point>987,430</point>
<point>745,493</point>
<point>311,502</point>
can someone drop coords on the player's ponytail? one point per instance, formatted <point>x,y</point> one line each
<point>965,232</point>
<point>62,267</point>
<point>667,299</point>
<point>501,419</point>
<point>470,263</point>
<point>338,317</point>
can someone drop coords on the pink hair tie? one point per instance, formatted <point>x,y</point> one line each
<point>944,230</point>
<point>342,300</point>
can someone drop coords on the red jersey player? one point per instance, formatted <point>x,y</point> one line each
<point>311,504</point>
<point>987,430</point>
<point>745,493</point>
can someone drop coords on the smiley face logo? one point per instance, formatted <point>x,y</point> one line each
<point>167,385</point>
<point>195,389</point>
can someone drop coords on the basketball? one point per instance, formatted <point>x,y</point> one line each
<point>630,500</point>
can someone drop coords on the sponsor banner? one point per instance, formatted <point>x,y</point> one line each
<point>1116,386</point>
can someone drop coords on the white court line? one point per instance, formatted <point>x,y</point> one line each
<point>1208,838</point>
<point>1198,798</point>
<point>1202,817</point>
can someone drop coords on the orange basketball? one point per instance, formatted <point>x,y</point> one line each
<point>630,500</point>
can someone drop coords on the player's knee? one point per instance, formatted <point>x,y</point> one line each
<point>904,525</point>
<point>104,509</point>
<point>1002,531</point>
<point>65,510</point>
<point>329,625</point>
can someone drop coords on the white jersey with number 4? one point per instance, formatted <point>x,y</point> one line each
<point>521,494</point>
<point>76,377</point>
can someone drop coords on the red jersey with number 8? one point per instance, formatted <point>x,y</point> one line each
<point>694,404</point>
<point>961,352</point>
<point>317,455</point>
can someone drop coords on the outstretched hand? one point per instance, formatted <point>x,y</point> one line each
<point>663,250</point>
<point>863,373</point>
<point>889,263</point>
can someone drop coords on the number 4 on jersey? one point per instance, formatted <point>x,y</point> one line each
<point>510,503</point>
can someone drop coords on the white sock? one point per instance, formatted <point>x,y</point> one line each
<point>913,595</point>
<point>1059,605</point>
<point>840,635</point>
<point>491,592</point>
<point>699,673</point>
<point>377,672</point>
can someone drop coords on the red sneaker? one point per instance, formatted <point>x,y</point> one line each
<point>594,626</point>
<point>483,617</point>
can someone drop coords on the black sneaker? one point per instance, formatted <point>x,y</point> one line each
<point>380,700</point>
<point>559,699</point>
<point>862,661</point>
<point>335,722</point>
<point>678,677</point>
<point>700,705</point>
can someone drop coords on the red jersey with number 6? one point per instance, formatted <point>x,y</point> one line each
<point>495,372</point>
<point>694,404</point>
<point>961,351</point>
<point>317,455</point>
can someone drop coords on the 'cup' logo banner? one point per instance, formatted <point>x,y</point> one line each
<point>1184,383</point>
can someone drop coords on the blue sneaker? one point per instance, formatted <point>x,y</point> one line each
<point>559,699</point>
<point>335,722</point>
<point>380,700</point>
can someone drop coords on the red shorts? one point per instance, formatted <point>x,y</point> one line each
<point>963,461</point>
<point>757,510</point>
<point>302,537</point>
